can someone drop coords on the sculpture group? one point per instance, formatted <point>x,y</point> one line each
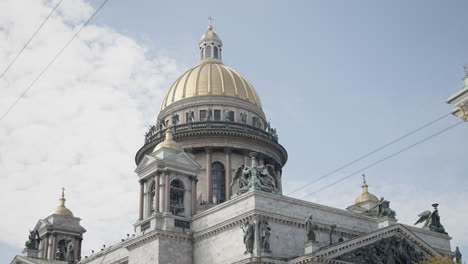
<point>262,178</point>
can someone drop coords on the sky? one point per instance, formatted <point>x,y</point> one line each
<point>338,79</point>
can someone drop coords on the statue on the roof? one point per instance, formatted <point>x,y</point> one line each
<point>458,256</point>
<point>262,178</point>
<point>384,209</point>
<point>310,227</point>
<point>209,114</point>
<point>70,251</point>
<point>431,220</point>
<point>189,116</point>
<point>175,119</point>
<point>243,116</point>
<point>33,242</point>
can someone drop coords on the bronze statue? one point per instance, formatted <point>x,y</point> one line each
<point>458,256</point>
<point>70,251</point>
<point>243,116</point>
<point>175,119</point>
<point>249,235</point>
<point>332,229</point>
<point>310,227</point>
<point>384,209</point>
<point>431,220</point>
<point>262,178</point>
<point>209,114</point>
<point>34,239</point>
<point>189,116</point>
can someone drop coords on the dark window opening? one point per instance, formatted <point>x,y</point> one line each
<point>177,198</point>
<point>219,182</point>
<point>202,115</point>
<point>217,115</point>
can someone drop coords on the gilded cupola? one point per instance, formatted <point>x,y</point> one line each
<point>366,195</point>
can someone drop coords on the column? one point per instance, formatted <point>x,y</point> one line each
<point>228,173</point>
<point>142,194</point>
<point>280,185</point>
<point>209,175</point>
<point>46,246</point>
<point>167,193</point>
<point>246,158</point>
<point>156,193</point>
<point>79,248</point>
<point>194,195</point>
<point>257,246</point>
<point>53,247</point>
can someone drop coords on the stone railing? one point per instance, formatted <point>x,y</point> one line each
<point>212,125</point>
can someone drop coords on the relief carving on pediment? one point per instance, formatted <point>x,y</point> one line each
<point>390,250</point>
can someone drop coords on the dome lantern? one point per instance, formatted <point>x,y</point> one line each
<point>210,45</point>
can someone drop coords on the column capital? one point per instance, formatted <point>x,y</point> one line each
<point>228,150</point>
<point>209,149</point>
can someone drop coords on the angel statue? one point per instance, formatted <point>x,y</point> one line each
<point>70,251</point>
<point>431,220</point>
<point>268,178</point>
<point>384,209</point>
<point>242,176</point>
<point>33,242</point>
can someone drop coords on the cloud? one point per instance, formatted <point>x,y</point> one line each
<point>79,126</point>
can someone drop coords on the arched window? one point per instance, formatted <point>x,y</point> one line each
<point>177,197</point>
<point>208,52</point>
<point>215,51</point>
<point>202,52</point>
<point>151,197</point>
<point>219,182</point>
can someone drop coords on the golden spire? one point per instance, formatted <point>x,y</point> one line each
<point>61,209</point>
<point>365,196</point>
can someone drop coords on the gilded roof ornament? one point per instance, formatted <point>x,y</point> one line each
<point>366,195</point>
<point>61,209</point>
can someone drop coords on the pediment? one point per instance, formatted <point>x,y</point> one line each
<point>395,243</point>
<point>147,159</point>
<point>65,223</point>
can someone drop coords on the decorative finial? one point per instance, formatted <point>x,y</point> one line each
<point>63,192</point>
<point>210,19</point>
<point>364,178</point>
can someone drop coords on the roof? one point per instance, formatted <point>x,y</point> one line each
<point>28,260</point>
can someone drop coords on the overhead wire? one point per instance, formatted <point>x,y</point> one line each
<point>384,159</point>
<point>30,39</point>
<point>53,60</point>
<point>370,153</point>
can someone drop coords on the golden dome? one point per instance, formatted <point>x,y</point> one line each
<point>168,142</point>
<point>366,195</point>
<point>61,209</point>
<point>211,78</point>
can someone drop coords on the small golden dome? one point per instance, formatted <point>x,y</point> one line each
<point>211,78</point>
<point>168,142</point>
<point>61,209</point>
<point>366,195</point>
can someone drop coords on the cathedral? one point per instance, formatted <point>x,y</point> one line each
<point>210,178</point>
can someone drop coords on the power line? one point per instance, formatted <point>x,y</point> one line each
<point>30,39</point>
<point>53,60</point>
<point>384,159</point>
<point>370,153</point>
